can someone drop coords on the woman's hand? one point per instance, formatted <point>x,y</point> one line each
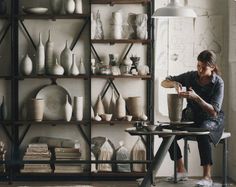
<point>191,94</point>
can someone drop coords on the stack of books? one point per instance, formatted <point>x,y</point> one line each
<point>2,157</point>
<point>38,152</point>
<point>62,153</point>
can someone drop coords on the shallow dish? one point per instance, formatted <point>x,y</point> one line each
<point>35,10</point>
<point>55,99</point>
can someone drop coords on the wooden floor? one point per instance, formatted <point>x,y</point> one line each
<point>160,183</point>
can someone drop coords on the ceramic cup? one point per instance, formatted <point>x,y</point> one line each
<point>106,117</point>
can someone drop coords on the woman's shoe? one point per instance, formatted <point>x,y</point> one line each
<point>204,183</point>
<point>183,176</point>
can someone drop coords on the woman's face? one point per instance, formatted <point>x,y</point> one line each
<point>204,70</point>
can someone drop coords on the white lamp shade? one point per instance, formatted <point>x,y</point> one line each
<point>174,9</point>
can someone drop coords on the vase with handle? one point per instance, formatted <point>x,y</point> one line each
<point>66,59</point>
<point>40,57</point>
<point>68,110</point>
<point>49,54</point>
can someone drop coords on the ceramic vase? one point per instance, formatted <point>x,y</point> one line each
<point>175,107</point>
<point>78,108</point>
<point>99,34</point>
<point>56,6</point>
<point>69,6</point>
<point>66,59</point>
<point>49,54</point>
<point>78,6</point>
<point>40,57</point>
<point>93,25</point>
<point>3,7</point>
<point>57,69</point>
<point>82,69</point>
<point>99,107</point>
<point>120,108</point>
<point>68,110</point>
<point>3,109</point>
<point>36,109</point>
<point>26,65</point>
<point>74,69</point>
<point>135,107</point>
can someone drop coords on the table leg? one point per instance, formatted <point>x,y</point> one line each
<point>157,161</point>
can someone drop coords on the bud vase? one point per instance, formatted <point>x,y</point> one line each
<point>40,57</point>
<point>78,108</point>
<point>68,110</point>
<point>49,54</point>
<point>66,59</point>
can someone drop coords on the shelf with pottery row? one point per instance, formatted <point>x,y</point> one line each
<point>80,76</point>
<point>53,16</point>
<point>112,2</point>
<point>121,41</point>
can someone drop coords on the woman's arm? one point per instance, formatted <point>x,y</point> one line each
<point>172,84</point>
<point>191,94</point>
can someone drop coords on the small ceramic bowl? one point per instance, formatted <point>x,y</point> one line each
<point>106,117</point>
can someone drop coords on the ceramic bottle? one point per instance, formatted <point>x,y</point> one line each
<point>68,110</point>
<point>49,54</point>
<point>57,69</point>
<point>99,107</point>
<point>120,107</point>
<point>78,7</point>
<point>69,6</point>
<point>40,57</point>
<point>66,59</point>
<point>26,65</point>
<point>74,69</point>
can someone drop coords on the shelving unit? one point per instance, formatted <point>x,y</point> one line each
<point>17,129</point>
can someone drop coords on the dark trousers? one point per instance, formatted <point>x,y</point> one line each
<point>204,148</point>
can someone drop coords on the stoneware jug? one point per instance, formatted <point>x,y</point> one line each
<point>120,107</point>
<point>57,69</point>
<point>66,59</point>
<point>40,57</point>
<point>69,6</point>
<point>49,54</point>
<point>175,107</point>
<point>78,6</point>
<point>26,65</point>
<point>68,110</point>
<point>56,6</point>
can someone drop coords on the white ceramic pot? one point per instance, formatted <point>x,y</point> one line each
<point>40,57</point>
<point>78,108</point>
<point>69,6</point>
<point>36,109</point>
<point>26,65</point>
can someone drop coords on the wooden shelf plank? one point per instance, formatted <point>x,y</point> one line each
<point>53,17</point>
<point>51,122</point>
<point>119,1</point>
<point>122,76</point>
<point>81,76</point>
<point>113,122</point>
<point>113,41</point>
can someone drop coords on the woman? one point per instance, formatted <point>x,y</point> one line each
<point>205,92</point>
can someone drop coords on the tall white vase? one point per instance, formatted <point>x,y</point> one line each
<point>40,57</point>
<point>78,7</point>
<point>68,110</point>
<point>26,65</point>
<point>49,54</point>
<point>78,108</point>
<point>66,59</point>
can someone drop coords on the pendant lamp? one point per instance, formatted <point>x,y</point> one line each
<point>174,9</point>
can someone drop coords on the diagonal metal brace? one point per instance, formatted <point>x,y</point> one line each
<point>79,34</point>
<point>84,135</point>
<point>7,132</point>
<point>5,32</point>
<point>24,133</point>
<point>95,52</point>
<point>28,34</point>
